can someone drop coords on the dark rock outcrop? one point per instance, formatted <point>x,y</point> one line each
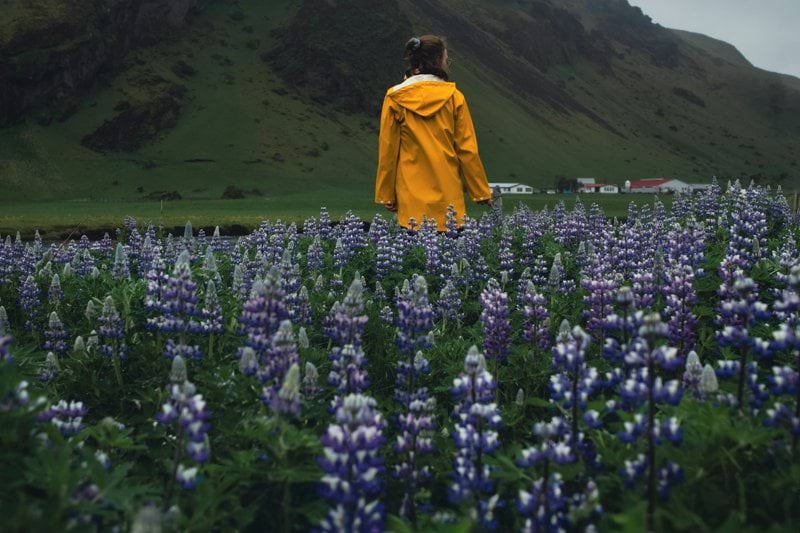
<point>139,124</point>
<point>336,51</point>
<point>50,54</point>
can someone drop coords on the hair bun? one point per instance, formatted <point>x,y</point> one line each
<point>413,44</point>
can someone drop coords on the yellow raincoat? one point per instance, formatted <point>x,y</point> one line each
<point>427,151</point>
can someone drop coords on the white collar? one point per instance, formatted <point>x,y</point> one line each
<point>415,79</point>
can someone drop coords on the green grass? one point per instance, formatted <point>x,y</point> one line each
<point>59,219</point>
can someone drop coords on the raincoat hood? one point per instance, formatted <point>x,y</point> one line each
<point>423,94</point>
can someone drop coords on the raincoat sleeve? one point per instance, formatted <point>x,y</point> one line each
<point>388,152</point>
<point>466,143</point>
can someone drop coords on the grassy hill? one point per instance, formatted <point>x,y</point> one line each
<point>559,87</point>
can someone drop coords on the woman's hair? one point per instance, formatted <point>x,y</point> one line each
<point>425,53</point>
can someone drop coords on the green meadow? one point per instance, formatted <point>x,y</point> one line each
<point>59,219</point>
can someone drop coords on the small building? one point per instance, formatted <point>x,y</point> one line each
<point>601,188</point>
<point>512,188</point>
<point>585,181</point>
<point>662,185</point>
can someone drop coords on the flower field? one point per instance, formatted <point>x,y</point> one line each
<point>538,371</point>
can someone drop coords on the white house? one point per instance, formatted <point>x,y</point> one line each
<point>512,188</point>
<point>663,185</point>
<point>601,188</point>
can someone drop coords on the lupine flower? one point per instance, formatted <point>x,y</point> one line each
<point>644,388</point>
<point>263,313</point>
<point>180,313</point>
<point>449,305</point>
<point>287,399</point>
<point>737,315</point>
<point>212,320</point>
<point>414,319</point>
<point>416,425</point>
<point>547,505</point>
<point>496,325</point>
<point>66,417</point>
<point>185,411</point>
<point>352,466</point>
<point>275,363</point>
<point>693,374</point>
<point>574,382</point>
<point>55,336</point>
<point>54,293</point>
<point>345,330</point>
<point>111,331</point>
<point>680,299</point>
<point>475,435</point>
<point>310,385</point>
<point>29,302</point>
<point>535,328</point>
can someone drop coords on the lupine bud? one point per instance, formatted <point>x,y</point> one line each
<point>147,520</point>
<point>302,338</point>
<point>178,373</point>
<point>520,399</point>
<point>79,348</point>
<point>708,380</point>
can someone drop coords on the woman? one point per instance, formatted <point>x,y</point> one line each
<point>427,146</point>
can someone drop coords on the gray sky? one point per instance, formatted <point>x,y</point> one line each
<point>767,32</point>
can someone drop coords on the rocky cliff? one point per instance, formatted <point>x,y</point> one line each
<point>51,51</point>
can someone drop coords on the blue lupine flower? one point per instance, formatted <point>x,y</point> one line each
<point>66,417</point>
<point>55,336</point>
<point>111,331</point>
<point>475,435</point>
<point>536,327</point>
<point>29,302</point>
<point>352,466</point>
<point>179,311</point>
<point>496,324</point>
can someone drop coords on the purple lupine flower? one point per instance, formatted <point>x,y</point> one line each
<point>50,368</point>
<point>4,325</point>
<point>416,425</point>
<point>29,302</point>
<point>315,258</point>
<point>681,297</point>
<point>186,413</point>
<point>180,313</point>
<point>449,305</point>
<point>286,401</point>
<point>55,336</point>
<point>738,315</point>
<point>345,330</point>
<point>111,331</point>
<point>496,325</point>
<point>212,320</point>
<point>276,362</point>
<point>600,298</point>
<point>263,313</point>
<point>352,466</point>
<point>505,253</point>
<point>644,388</point>
<point>573,383</point>
<point>547,504</point>
<point>747,233</point>
<point>693,374</point>
<point>67,417</point>
<point>536,327</point>
<point>414,319</point>
<point>310,384</point>
<point>55,293</point>
<point>475,435</point>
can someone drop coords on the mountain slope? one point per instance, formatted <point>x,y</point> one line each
<point>272,96</point>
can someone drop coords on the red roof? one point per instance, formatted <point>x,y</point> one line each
<point>648,183</point>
